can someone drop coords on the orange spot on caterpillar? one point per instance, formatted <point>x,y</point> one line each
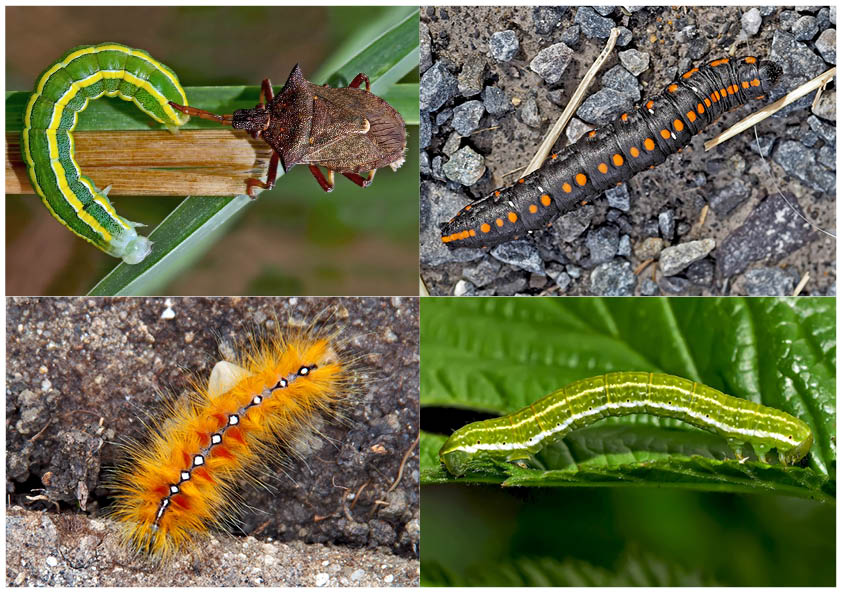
<point>755,82</point>
<point>650,104</point>
<point>499,222</point>
<point>512,216</point>
<point>592,134</point>
<point>472,233</point>
<point>678,125</point>
<point>520,181</point>
<point>617,159</point>
<point>700,108</point>
<point>545,200</point>
<point>567,188</point>
<point>634,151</point>
<point>603,168</point>
<point>649,144</point>
<point>467,207</point>
<point>750,60</point>
<point>707,102</point>
<point>673,88</point>
<point>665,134</point>
<point>689,73</point>
<point>745,85</point>
<point>691,115</point>
<point>624,117</point>
<point>533,209</point>
<point>485,228</point>
<point>719,62</point>
<point>554,155</point>
<point>581,179</point>
<point>496,194</point>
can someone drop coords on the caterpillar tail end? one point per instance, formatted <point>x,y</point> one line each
<point>137,250</point>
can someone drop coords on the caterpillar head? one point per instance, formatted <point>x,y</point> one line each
<point>769,74</point>
<point>795,454</point>
<point>456,461</point>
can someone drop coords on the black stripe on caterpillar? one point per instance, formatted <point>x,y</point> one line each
<point>637,140</point>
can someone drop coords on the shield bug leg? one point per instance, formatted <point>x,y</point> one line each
<point>271,176</point>
<point>326,183</point>
<point>360,181</point>
<point>266,93</point>
<point>358,79</point>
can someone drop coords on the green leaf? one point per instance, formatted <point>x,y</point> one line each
<point>496,356</point>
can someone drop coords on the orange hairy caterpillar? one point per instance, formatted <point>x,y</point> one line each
<point>180,483</point>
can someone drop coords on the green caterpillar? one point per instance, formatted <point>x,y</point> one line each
<point>521,434</point>
<point>63,90</point>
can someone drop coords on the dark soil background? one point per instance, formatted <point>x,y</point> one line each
<point>761,245</point>
<point>83,374</point>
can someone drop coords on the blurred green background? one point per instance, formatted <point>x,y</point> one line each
<point>295,239</point>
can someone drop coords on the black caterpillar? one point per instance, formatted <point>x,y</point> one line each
<point>607,156</point>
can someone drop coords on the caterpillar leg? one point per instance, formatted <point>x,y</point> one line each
<point>266,93</point>
<point>360,181</point>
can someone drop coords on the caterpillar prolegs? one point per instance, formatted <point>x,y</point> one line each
<point>63,90</point>
<point>635,141</point>
<point>521,434</point>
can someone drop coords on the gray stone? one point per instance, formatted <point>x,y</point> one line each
<point>425,130</point>
<point>826,107</point>
<point>466,117</point>
<point>826,44</point>
<point>466,167</point>
<point>604,106</point>
<point>624,247</point>
<point>571,225</point>
<point>649,287</point>
<point>443,116</point>
<point>437,87</point>
<point>800,162</point>
<point>634,61</point>
<point>769,281</point>
<point>675,285</point>
<point>424,163</point>
<point>797,60</point>
<point>604,10</point>
<point>805,28</point>
<point>593,25</point>
<point>470,79</point>
<point>770,232</point>
<point>495,101</point>
<point>666,224</point>
<point>547,18</point>
<point>503,45</point>
<point>529,113</point>
<point>452,144</point>
<point>482,273</point>
<point>574,271</point>
<point>827,156</point>
<point>521,254</point>
<point>767,141</point>
<point>751,21</point>
<point>613,278</point>
<point>620,79</point>
<point>730,197</point>
<point>603,243</point>
<point>825,131</point>
<point>570,36</point>
<point>625,37</point>
<point>649,248</point>
<point>464,288</point>
<point>677,258</point>
<point>701,272</point>
<point>425,58</point>
<point>551,62</point>
<point>576,129</point>
<point>618,197</point>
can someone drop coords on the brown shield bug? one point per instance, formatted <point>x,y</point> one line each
<point>346,130</point>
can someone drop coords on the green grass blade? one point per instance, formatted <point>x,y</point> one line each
<point>180,238</point>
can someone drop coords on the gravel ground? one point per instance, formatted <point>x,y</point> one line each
<point>485,109</point>
<point>82,375</point>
